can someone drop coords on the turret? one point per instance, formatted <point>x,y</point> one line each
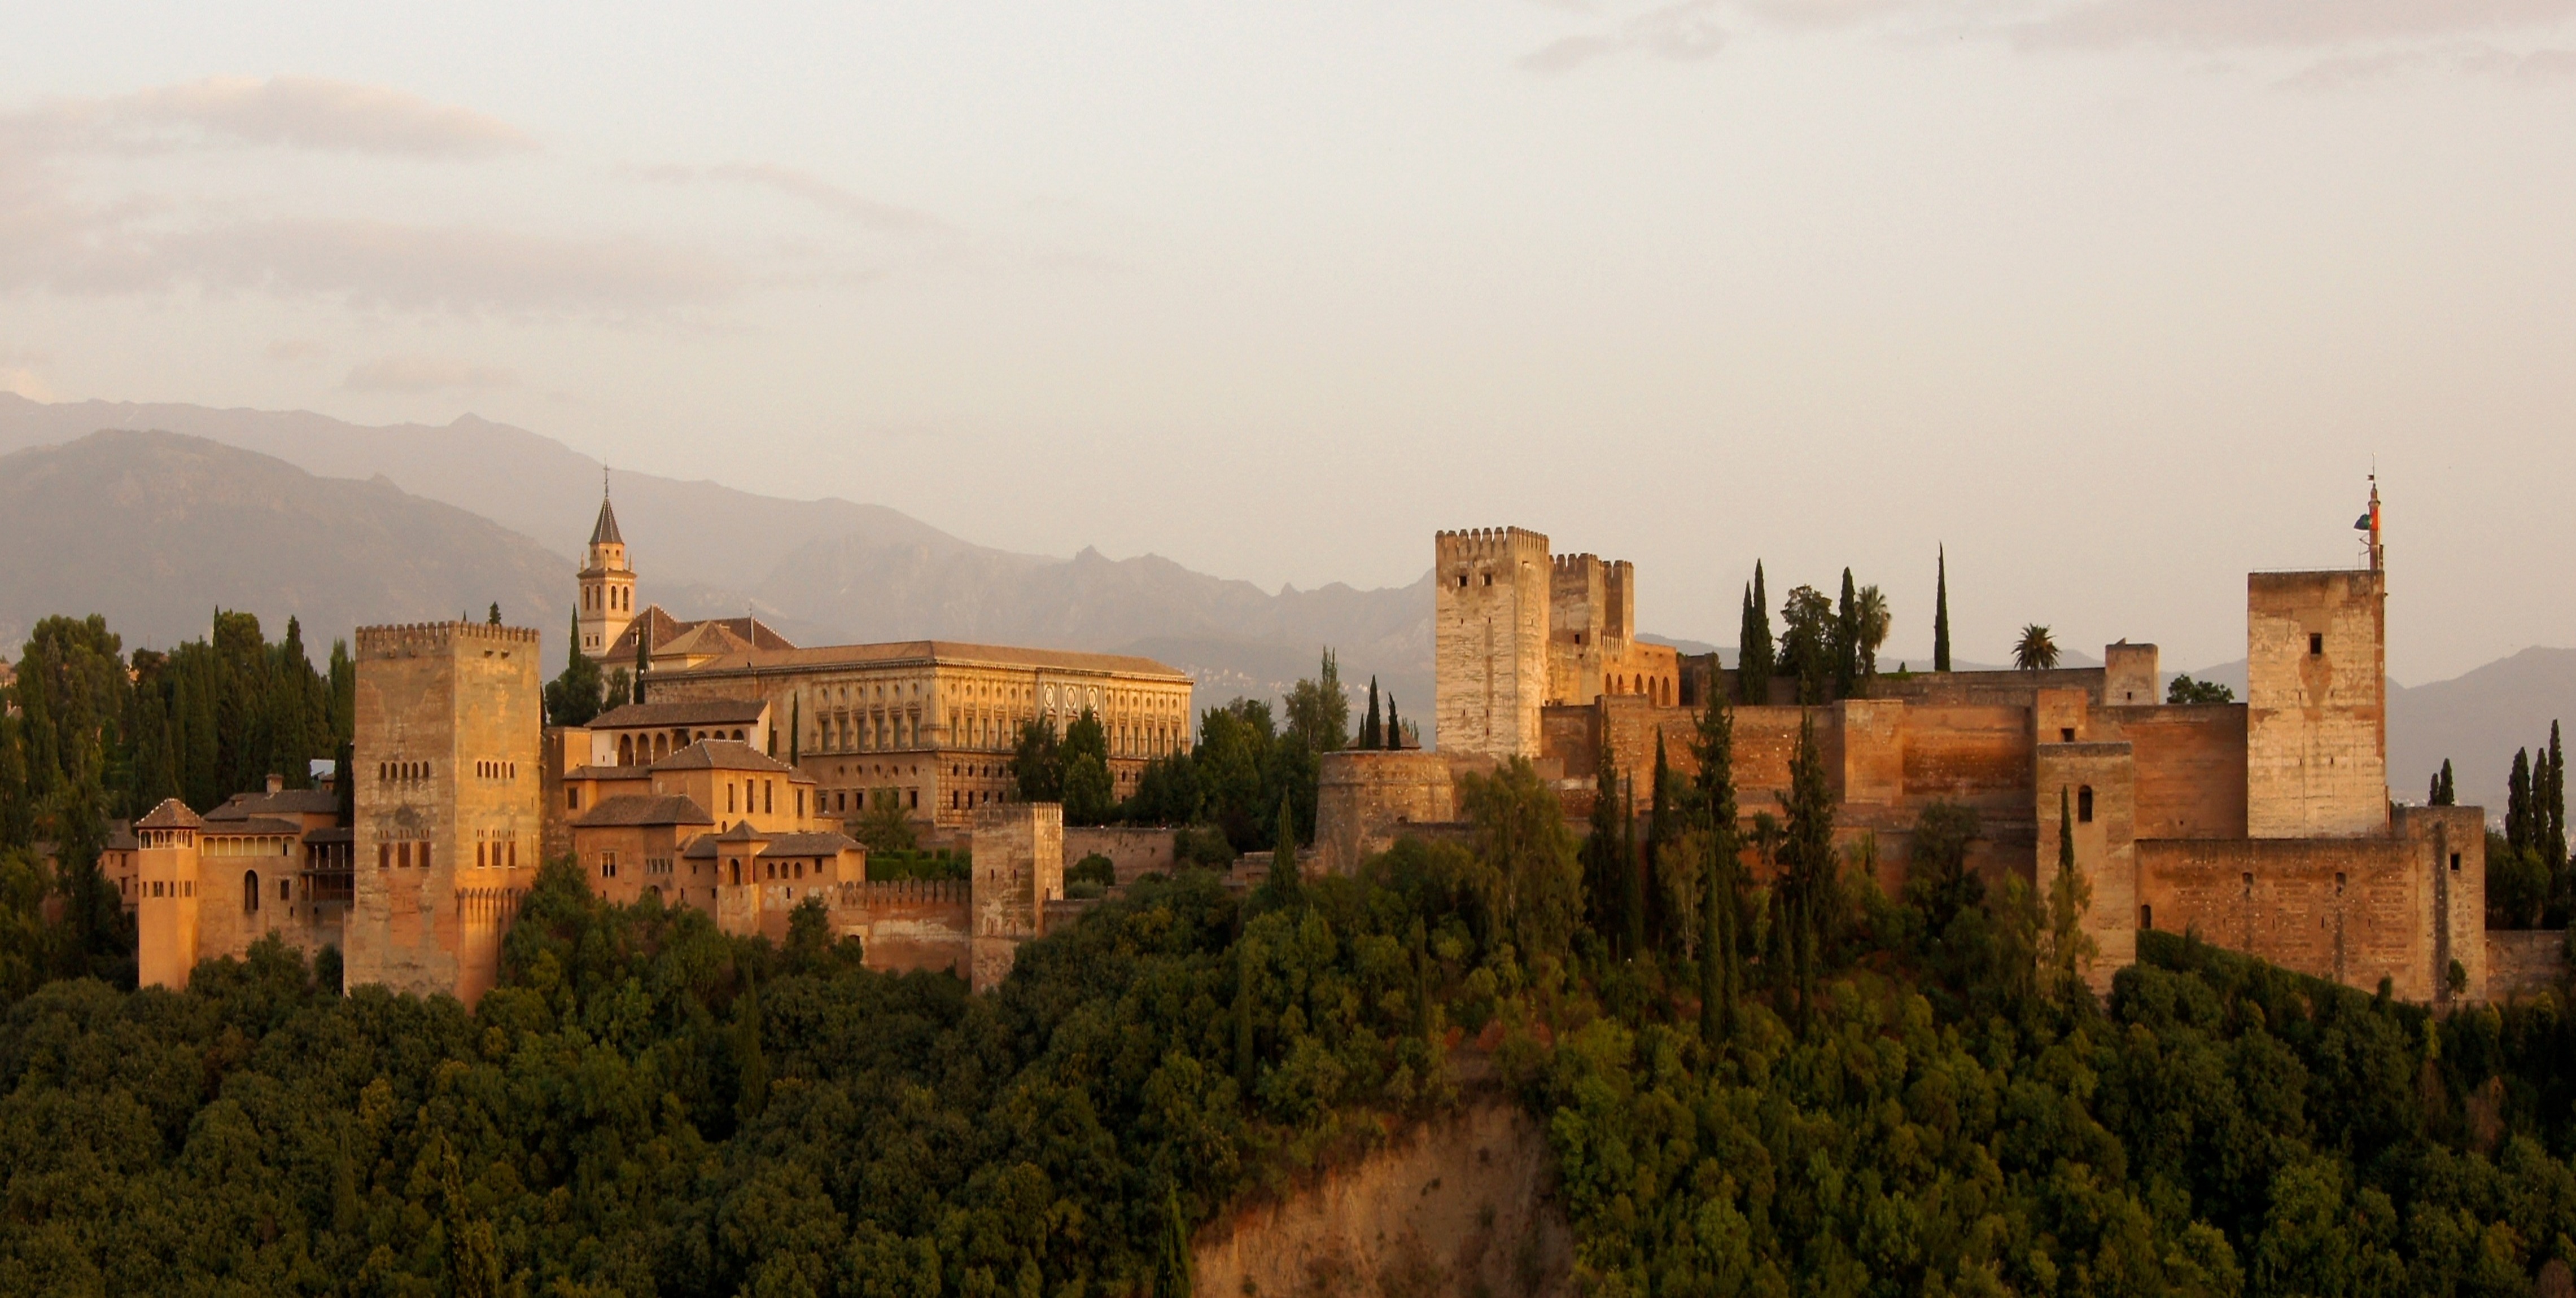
<point>607,584</point>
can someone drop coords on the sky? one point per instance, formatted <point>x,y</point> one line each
<point>2115,300</point>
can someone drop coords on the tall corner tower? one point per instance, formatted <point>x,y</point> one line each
<point>1490,631</point>
<point>607,585</point>
<point>449,805</point>
<point>2316,699</point>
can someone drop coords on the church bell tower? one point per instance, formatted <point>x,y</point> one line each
<point>607,584</point>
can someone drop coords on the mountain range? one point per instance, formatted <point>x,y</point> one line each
<point>155,515</point>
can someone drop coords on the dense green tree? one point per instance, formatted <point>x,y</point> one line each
<point>2442,793</point>
<point>2183,689</point>
<point>1874,622</point>
<point>2070,897</point>
<point>1605,893</point>
<point>1807,643</point>
<point>1285,884</point>
<point>573,698</point>
<point>1090,798</point>
<point>1037,763</point>
<point>1372,731</point>
<point>1319,711</point>
<point>1941,609</point>
<point>1721,945</point>
<point>1808,893</point>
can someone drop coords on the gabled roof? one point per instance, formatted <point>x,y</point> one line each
<point>171,814</point>
<point>629,810</point>
<point>956,652</point>
<point>285,802</point>
<point>742,832</point>
<point>608,773</point>
<point>604,532</point>
<point>683,712</point>
<point>706,639</point>
<point>722,755</point>
<point>262,826</point>
<point>811,845</point>
<point>662,628</point>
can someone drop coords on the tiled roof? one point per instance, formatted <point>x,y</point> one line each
<point>604,532</point>
<point>171,814</point>
<point>637,809</point>
<point>721,755</point>
<point>245,826</point>
<point>742,832</point>
<point>810,845</point>
<point>285,802</point>
<point>608,773</point>
<point>332,834</point>
<point>664,628</point>
<point>684,712</point>
<point>937,651</point>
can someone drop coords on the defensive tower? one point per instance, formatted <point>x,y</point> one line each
<point>2316,696</point>
<point>448,802</point>
<point>1490,626</point>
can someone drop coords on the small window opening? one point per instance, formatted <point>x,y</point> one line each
<point>2338,883</point>
<point>1489,579</point>
<point>2066,734</point>
<point>2316,644</point>
<point>2249,883</point>
<point>2084,805</point>
<point>2455,863</point>
<point>2147,918</point>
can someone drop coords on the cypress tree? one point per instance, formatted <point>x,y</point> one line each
<point>36,727</point>
<point>1720,964</point>
<point>2517,803</point>
<point>1754,661</point>
<point>795,729</point>
<point>1660,928</point>
<point>643,651</point>
<point>1631,874</point>
<point>2553,834</point>
<point>1807,852</point>
<point>1286,883</point>
<point>1847,640</point>
<point>1370,733</point>
<point>1941,610</point>
<point>1603,894</point>
<point>1394,724</point>
<point>494,619</point>
<point>1245,951</point>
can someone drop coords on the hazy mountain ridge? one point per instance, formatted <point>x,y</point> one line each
<point>821,571</point>
<point>155,531</point>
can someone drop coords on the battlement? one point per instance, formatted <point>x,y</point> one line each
<point>1488,543</point>
<point>412,638</point>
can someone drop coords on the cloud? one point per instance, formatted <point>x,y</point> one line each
<point>364,263</point>
<point>417,374</point>
<point>26,382</point>
<point>888,218</point>
<point>290,111</point>
<point>289,350</point>
<point>2236,24</point>
<point>2353,71</point>
<point>1683,32</point>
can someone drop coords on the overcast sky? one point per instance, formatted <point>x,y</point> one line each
<point>2116,298</point>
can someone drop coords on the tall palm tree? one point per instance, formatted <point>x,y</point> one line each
<point>1873,628</point>
<point>2036,652</point>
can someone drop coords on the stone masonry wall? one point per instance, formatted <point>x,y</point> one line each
<point>1490,631</point>
<point>2093,783</point>
<point>1134,851</point>
<point>2317,704</point>
<point>453,711</point>
<point>1019,867</point>
<point>1364,799</point>
<point>2353,910</point>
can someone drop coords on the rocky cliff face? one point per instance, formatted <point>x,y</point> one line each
<point>1464,1205</point>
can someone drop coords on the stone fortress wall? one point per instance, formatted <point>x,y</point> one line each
<point>2265,826</point>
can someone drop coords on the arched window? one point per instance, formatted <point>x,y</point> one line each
<point>2084,805</point>
<point>250,892</point>
<point>626,750</point>
<point>737,872</point>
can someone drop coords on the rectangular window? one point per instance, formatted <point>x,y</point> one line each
<point>2066,734</point>
<point>572,798</point>
<point>2316,644</point>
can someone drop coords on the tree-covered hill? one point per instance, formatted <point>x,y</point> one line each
<point>1884,1096</point>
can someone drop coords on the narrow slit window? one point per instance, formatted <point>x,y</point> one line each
<point>2316,644</point>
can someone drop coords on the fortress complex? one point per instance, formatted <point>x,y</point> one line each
<point>932,721</point>
<point>729,791</point>
<point>2264,826</point>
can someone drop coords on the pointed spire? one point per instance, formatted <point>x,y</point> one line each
<point>604,532</point>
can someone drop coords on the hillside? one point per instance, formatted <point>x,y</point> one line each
<point>822,571</point>
<point>157,530</point>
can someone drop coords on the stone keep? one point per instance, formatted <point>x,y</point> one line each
<point>1018,851</point>
<point>448,803</point>
<point>2316,671</point>
<point>1490,632</point>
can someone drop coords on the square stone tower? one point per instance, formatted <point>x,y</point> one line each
<point>2316,695</point>
<point>449,802</point>
<point>1018,849</point>
<point>165,906</point>
<point>1490,632</point>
